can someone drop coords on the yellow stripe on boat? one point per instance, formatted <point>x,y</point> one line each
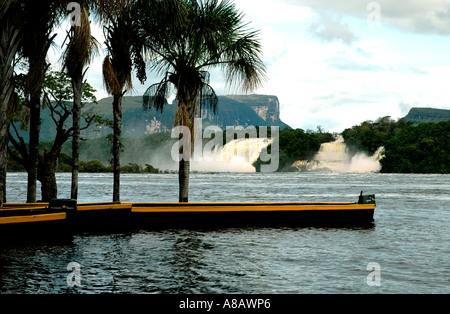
<point>103,206</point>
<point>23,206</point>
<point>33,218</point>
<point>142,208</point>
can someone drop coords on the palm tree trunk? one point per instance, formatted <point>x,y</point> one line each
<point>3,161</point>
<point>183,180</point>
<point>9,43</point>
<point>117,112</point>
<point>47,177</point>
<point>6,86</point>
<point>35,128</point>
<point>4,139</point>
<point>186,118</point>
<point>77,84</point>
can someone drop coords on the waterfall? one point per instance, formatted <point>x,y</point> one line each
<point>236,156</point>
<point>335,157</point>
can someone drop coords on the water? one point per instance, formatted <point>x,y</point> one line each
<point>410,240</point>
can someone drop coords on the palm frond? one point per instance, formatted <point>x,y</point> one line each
<point>38,18</point>
<point>207,95</point>
<point>82,46</point>
<point>110,78</point>
<point>156,95</point>
<point>106,11</point>
<point>208,98</point>
<point>119,43</point>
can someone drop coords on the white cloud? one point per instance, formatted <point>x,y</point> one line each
<point>331,28</point>
<point>341,63</point>
<point>273,12</point>
<point>417,16</point>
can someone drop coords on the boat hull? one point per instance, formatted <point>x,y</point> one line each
<point>30,222</point>
<point>161,216</point>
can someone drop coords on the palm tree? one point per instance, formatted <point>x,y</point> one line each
<point>38,20</point>
<point>124,50</point>
<point>9,45</point>
<point>78,54</point>
<point>186,38</point>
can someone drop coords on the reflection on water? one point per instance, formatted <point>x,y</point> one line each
<point>409,241</point>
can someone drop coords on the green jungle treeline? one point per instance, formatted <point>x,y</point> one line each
<point>92,166</point>
<point>409,148</point>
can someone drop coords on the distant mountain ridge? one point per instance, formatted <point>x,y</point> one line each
<point>233,110</point>
<point>423,115</point>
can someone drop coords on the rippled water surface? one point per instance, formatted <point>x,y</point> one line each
<point>410,240</point>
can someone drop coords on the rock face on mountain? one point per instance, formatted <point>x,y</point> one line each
<point>232,110</point>
<point>266,107</point>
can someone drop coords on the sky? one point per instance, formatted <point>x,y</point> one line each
<point>335,64</point>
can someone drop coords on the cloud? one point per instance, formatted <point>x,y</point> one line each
<point>273,12</point>
<point>413,69</point>
<point>344,64</point>
<point>331,28</point>
<point>404,107</point>
<point>416,16</point>
<point>362,52</point>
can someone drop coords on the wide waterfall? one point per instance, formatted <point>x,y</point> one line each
<point>235,156</point>
<point>335,157</point>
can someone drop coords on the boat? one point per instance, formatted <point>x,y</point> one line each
<point>70,215</point>
<point>286,214</point>
<point>33,220</point>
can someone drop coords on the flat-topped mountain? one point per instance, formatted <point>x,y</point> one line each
<point>421,115</point>
<point>233,110</point>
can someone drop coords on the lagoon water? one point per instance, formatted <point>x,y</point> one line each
<point>410,240</point>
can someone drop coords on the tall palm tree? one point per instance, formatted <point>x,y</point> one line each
<point>185,39</point>
<point>38,19</point>
<point>9,45</point>
<point>124,51</point>
<point>78,54</point>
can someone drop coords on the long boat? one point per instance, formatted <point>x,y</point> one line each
<point>29,221</point>
<point>67,214</point>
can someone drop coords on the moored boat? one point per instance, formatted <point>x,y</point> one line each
<point>32,220</point>
<point>212,215</point>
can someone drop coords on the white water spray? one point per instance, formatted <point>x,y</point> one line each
<point>335,157</point>
<point>236,156</point>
